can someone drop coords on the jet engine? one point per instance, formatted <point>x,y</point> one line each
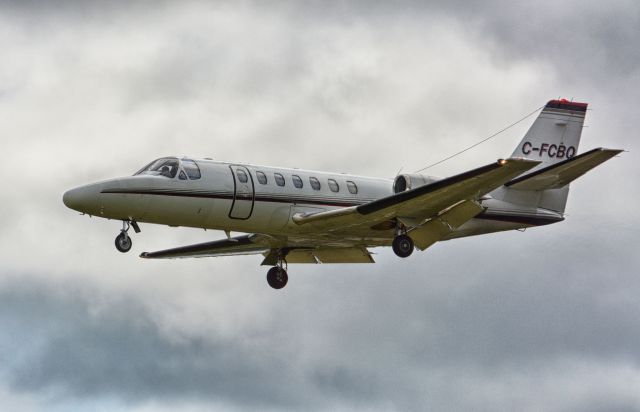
<point>411,181</point>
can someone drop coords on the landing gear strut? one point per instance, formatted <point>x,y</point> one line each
<point>123,241</point>
<point>402,244</point>
<point>277,276</point>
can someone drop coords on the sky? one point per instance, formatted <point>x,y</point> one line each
<point>545,320</point>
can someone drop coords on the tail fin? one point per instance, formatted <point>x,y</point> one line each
<point>553,137</point>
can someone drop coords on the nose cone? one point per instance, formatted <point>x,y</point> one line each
<point>83,199</point>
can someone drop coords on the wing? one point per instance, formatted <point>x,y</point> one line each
<point>270,247</point>
<point>415,207</point>
<point>563,173</point>
<point>240,245</point>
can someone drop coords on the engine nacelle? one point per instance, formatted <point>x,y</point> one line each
<point>410,181</point>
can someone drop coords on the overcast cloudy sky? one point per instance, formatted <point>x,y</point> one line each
<point>546,320</point>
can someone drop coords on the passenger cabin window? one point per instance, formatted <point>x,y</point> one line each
<point>167,167</point>
<point>192,169</point>
<point>333,185</point>
<point>279,179</point>
<point>353,189</point>
<point>297,182</point>
<point>315,183</point>
<point>182,176</point>
<point>262,178</point>
<point>242,176</point>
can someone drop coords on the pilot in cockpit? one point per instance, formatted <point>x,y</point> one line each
<point>166,171</point>
<point>169,167</point>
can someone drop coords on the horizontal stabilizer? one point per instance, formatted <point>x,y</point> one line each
<point>561,174</point>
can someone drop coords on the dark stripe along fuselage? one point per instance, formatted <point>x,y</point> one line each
<point>526,219</point>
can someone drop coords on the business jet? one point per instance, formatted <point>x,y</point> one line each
<point>306,216</point>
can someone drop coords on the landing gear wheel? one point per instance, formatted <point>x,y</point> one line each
<point>402,246</point>
<point>123,242</point>
<point>277,277</point>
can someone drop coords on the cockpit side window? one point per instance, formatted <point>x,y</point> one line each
<point>167,167</point>
<point>192,169</point>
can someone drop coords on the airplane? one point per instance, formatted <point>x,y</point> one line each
<point>306,216</point>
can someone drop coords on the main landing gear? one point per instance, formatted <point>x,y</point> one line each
<point>277,276</point>
<point>402,244</point>
<point>123,240</point>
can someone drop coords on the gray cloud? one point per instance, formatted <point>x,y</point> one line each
<point>545,320</point>
<point>360,340</point>
<point>69,345</point>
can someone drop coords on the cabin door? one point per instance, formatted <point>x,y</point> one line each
<point>243,193</point>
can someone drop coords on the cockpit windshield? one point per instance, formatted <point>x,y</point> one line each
<point>170,167</point>
<point>167,166</point>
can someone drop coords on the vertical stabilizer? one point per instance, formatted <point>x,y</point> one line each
<point>555,134</point>
<point>552,138</point>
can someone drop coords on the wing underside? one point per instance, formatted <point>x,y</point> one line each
<point>272,250</point>
<point>240,245</point>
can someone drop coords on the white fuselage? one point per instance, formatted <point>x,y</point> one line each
<point>222,199</point>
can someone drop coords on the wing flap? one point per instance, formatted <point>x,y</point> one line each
<point>563,173</point>
<point>323,255</point>
<point>240,245</point>
<point>343,255</point>
<point>439,227</point>
<point>301,256</point>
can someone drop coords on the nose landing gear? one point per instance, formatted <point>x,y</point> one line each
<point>123,240</point>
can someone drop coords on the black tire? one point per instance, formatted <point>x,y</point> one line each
<point>402,246</point>
<point>123,242</point>
<point>277,277</point>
